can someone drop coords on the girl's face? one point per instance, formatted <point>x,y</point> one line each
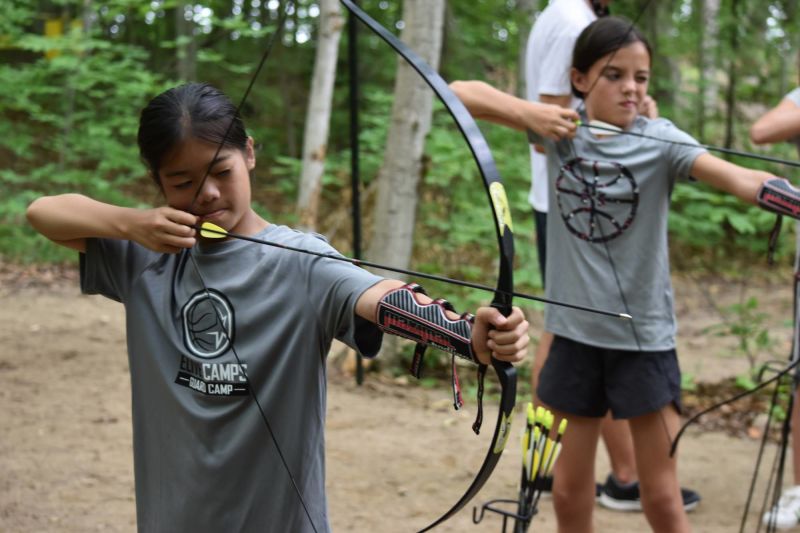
<point>225,196</point>
<point>620,86</point>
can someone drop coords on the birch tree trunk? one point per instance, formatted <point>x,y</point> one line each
<point>708,36</point>
<point>317,127</point>
<point>396,201</point>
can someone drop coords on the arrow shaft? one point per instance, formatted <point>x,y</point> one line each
<point>710,147</point>
<point>434,277</point>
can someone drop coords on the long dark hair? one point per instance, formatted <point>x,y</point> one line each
<point>192,110</point>
<point>600,38</point>
<point>599,9</point>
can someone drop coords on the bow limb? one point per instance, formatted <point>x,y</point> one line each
<point>502,217</point>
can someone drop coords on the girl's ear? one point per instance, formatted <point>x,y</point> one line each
<point>579,80</point>
<point>250,154</point>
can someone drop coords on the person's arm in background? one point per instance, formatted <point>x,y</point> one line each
<point>781,123</point>
<point>487,103</point>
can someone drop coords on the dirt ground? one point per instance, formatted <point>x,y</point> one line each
<point>398,455</point>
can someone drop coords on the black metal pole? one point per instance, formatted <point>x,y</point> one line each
<point>355,177</point>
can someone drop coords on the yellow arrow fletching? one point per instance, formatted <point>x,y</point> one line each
<point>549,418</point>
<point>552,462</point>
<point>209,230</point>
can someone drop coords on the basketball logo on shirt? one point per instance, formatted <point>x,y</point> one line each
<point>207,324</point>
<point>597,199</point>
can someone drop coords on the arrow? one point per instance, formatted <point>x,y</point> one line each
<point>210,230</point>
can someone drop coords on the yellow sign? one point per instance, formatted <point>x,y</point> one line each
<point>53,28</point>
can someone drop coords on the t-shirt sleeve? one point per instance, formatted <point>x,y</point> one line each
<point>110,266</point>
<point>794,97</point>
<point>535,138</point>
<point>681,149</point>
<point>334,288</point>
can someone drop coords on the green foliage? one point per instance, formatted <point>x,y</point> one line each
<point>69,122</point>
<point>457,231</point>
<point>70,127</point>
<point>703,218</point>
<point>688,382</point>
<point>745,382</point>
<point>745,322</point>
<point>778,411</point>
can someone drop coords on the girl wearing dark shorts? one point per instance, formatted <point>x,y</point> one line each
<point>607,246</point>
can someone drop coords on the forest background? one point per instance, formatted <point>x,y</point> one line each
<point>76,74</point>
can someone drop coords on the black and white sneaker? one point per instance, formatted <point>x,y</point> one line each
<point>620,497</point>
<point>625,497</point>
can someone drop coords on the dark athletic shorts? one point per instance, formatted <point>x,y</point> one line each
<point>585,380</point>
<point>540,223</point>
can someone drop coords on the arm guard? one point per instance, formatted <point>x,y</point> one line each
<point>401,314</point>
<point>779,196</point>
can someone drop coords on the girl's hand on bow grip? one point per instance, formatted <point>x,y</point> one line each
<point>501,337</point>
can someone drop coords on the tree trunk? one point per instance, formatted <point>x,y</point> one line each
<point>656,22</point>
<point>315,138</point>
<point>708,38</point>
<point>399,176</point>
<point>527,12</point>
<point>186,45</point>
<point>730,93</point>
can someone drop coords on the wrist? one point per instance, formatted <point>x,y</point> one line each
<point>123,221</point>
<point>776,194</point>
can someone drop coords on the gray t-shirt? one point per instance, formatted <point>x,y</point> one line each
<point>204,460</point>
<point>609,204</point>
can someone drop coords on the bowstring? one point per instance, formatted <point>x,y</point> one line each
<point>289,6</point>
